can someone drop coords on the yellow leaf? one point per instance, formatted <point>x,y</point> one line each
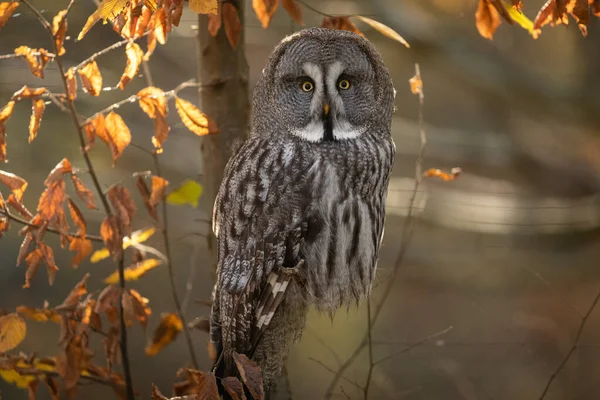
<point>134,272</point>
<point>521,19</point>
<point>193,119</point>
<point>189,192</point>
<point>39,314</point>
<point>12,331</point>
<point>91,78</point>
<point>383,29</point>
<point>6,11</point>
<point>264,10</point>
<point>204,6</point>
<point>134,59</point>
<point>136,238</point>
<point>13,377</point>
<point>107,10</point>
<point>165,333</point>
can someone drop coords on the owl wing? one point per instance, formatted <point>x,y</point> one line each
<point>259,223</point>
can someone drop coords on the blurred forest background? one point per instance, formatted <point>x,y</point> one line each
<point>507,255</point>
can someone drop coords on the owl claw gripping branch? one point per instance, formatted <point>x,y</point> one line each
<point>299,216</point>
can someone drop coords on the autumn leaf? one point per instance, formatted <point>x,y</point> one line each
<point>384,30</point>
<point>166,332</point>
<point>59,30</point>
<point>72,361</point>
<point>136,307</point>
<point>35,66</point>
<point>83,192</point>
<point>15,183</point>
<point>251,375</point>
<point>340,23</point>
<point>264,10</point>
<point>151,38</point>
<point>82,248</point>
<point>118,135</point>
<point>24,248</point>
<point>294,10</point>
<point>177,12</point>
<point>134,58</point>
<point>77,217</point>
<point>161,27</point>
<point>71,84</point>
<point>194,119</point>
<point>487,16</point>
<point>142,22</point>
<point>232,24</point>
<point>63,167</point>
<point>5,113</point>
<point>214,22</point>
<point>189,192</point>
<point>6,11</point>
<point>37,110</point>
<point>156,394</point>
<point>91,78</point>
<point>26,93</point>
<point>433,172</point>
<point>204,6</point>
<point>161,132</point>
<point>48,257</point>
<point>52,201</point>
<point>203,385</point>
<point>136,237</point>
<point>32,261</point>
<point>39,314</point>
<point>109,230</point>
<point>234,388</point>
<point>416,85</point>
<point>12,331</point>
<point>124,206</point>
<point>134,272</point>
<point>76,293</point>
<point>145,192</point>
<point>152,101</point>
<point>158,190</point>
<point>107,10</point>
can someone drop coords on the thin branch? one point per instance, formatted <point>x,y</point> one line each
<point>35,53</point>
<point>405,240</point>
<point>573,346</point>
<point>322,364</point>
<point>90,166</point>
<point>108,49</point>
<point>311,8</point>
<point>12,217</point>
<point>93,378</point>
<point>417,344</point>
<point>178,308</point>
<point>189,286</point>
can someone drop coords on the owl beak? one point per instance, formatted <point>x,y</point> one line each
<point>326,109</point>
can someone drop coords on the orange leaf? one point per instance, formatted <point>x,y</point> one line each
<point>383,29</point>
<point>134,58</point>
<point>12,331</point>
<point>158,190</point>
<point>151,45</point>
<point>76,293</point>
<point>416,84</point>
<point>32,261</point>
<point>14,183</point>
<point>37,110</point>
<point>232,24</point>
<point>118,134</point>
<point>19,207</point>
<point>142,22</point>
<point>454,173</point>
<point>204,6</point>
<point>78,218</point>
<point>145,192</point>
<point>63,167</point>
<point>26,92</point>
<point>39,314</point>
<point>48,257</point>
<point>160,26</point>
<point>71,84</point>
<point>487,19</point>
<point>136,306</point>
<point>340,23</point>
<point>91,78</point>
<point>166,332</point>
<point>83,192</point>
<point>214,24</point>
<point>109,230</point>
<point>6,11</point>
<point>134,272</point>
<point>161,132</point>
<point>59,30</point>
<point>264,10</point>
<point>83,249</point>
<point>193,118</point>
<point>33,62</point>
<point>24,249</point>
<point>156,394</point>
<point>177,12</point>
<point>251,375</point>
<point>294,10</point>
<point>52,201</point>
<point>152,99</point>
<point>124,206</point>
<point>6,111</point>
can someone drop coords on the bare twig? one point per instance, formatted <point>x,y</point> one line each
<point>90,166</point>
<point>573,346</point>
<point>35,53</point>
<point>417,344</point>
<point>322,364</point>
<point>405,240</point>
<point>108,49</point>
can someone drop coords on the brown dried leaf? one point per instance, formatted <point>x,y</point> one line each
<point>19,207</point>
<point>294,10</point>
<point>33,62</point>
<point>232,24</point>
<point>156,394</point>
<point>59,31</point>
<point>194,119</point>
<point>111,347</point>
<point>107,303</point>
<point>118,134</point>
<point>48,257</point>
<point>454,173</point>
<point>203,385</point>
<point>161,132</point>
<point>487,19</point>
<point>135,54</point>
<point>15,183</point>
<point>166,332</point>
<point>142,22</point>
<point>152,99</point>
<point>204,6</point>
<point>12,331</point>
<point>234,388</point>
<point>124,206</point>
<point>76,293</point>
<point>96,128</point>
<point>340,23</point>
<point>24,249</point>
<point>109,230</point>
<point>177,12</point>
<point>39,314</point>
<point>52,201</point>
<point>6,111</point>
<point>83,249</point>
<point>384,30</point>
<point>53,387</point>
<point>26,93</point>
<point>161,26</point>
<point>159,186</point>
<point>71,84</point>
<point>78,218</point>
<point>83,192</point>
<point>136,306</point>
<point>71,362</point>
<point>145,192</point>
<point>264,10</point>
<point>6,11</point>
<point>151,45</point>
<point>32,261</point>
<point>91,78</point>
<point>214,23</point>
<point>63,167</point>
<point>251,375</point>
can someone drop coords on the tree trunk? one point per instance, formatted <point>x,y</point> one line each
<point>223,74</point>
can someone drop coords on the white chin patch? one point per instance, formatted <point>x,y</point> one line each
<point>313,132</point>
<point>344,130</point>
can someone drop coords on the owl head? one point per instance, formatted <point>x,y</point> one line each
<point>323,85</point>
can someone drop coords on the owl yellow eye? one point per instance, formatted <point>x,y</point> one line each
<point>344,84</point>
<point>307,86</point>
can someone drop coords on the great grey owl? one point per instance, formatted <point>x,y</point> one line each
<point>299,215</point>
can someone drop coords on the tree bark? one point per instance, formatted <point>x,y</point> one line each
<point>224,97</point>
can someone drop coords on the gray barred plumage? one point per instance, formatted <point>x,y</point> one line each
<point>299,216</point>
